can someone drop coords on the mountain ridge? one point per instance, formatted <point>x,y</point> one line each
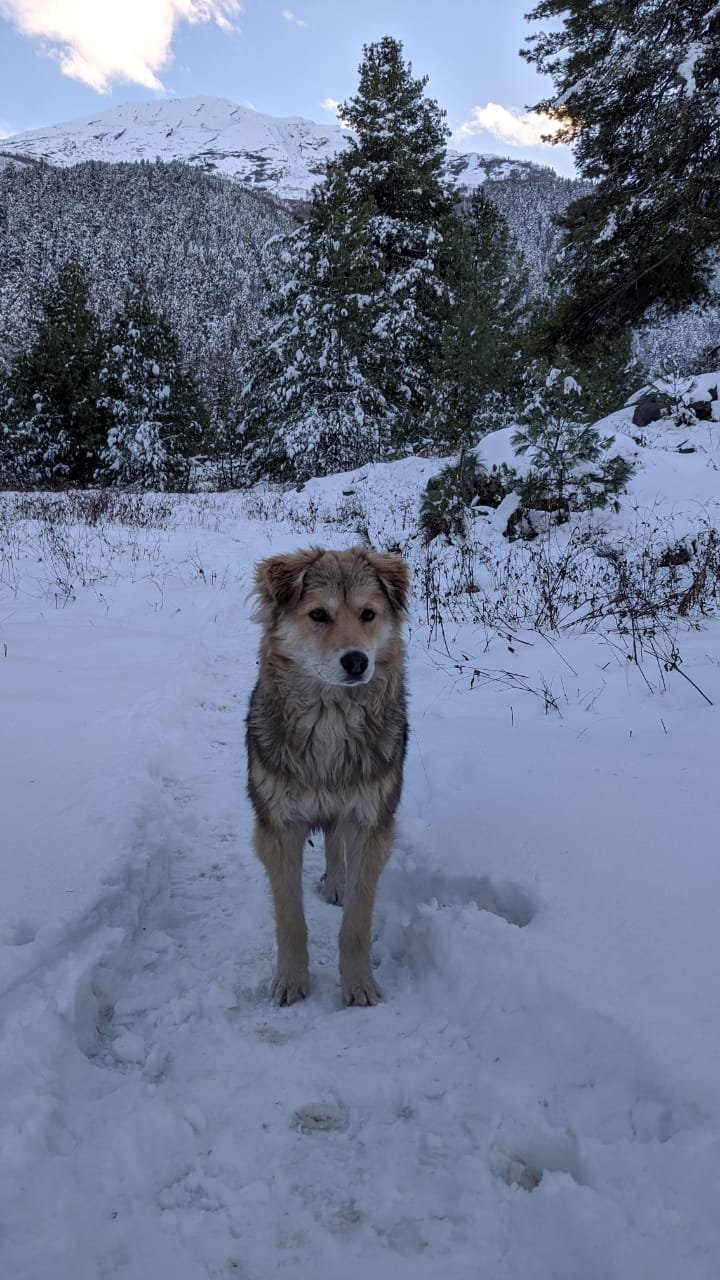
<point>282,156</point>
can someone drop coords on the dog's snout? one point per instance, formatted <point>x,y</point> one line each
<point>355,662</point>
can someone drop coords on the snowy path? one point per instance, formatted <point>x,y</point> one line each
<point>535,1096</point>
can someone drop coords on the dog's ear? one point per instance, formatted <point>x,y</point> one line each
<point>393,575</point>
<point>279,580</point>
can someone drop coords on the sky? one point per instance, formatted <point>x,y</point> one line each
<point>61,59</point>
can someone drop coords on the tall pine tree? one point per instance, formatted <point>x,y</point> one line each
<point>344,367</point>
<point>637,93</point>
<point>394,165</point>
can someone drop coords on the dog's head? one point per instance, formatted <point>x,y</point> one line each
<point>335,614</point>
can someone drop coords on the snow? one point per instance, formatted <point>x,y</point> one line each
<point>283,155</point>
<point>537,1095</point>
<point>686,70</point>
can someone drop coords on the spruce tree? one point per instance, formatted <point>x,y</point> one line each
<point>155,411</point>
<point>343,369</point>
<point>637,93</point>
<point>480,336</point>
<point>394,166</point>
<point>55,428</point>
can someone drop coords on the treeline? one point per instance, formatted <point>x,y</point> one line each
<point>395,317</point>
<point>197,239</point>
<point>86,403</point>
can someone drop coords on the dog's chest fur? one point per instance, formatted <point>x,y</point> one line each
<point>318,757</point>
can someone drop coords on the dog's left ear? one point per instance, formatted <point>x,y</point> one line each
<point>393,575</point>
<point>279,580</point>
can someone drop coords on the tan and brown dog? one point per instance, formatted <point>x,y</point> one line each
<point>326,739</point>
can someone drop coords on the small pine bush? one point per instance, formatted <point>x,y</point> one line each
<point>459,486</point>
<point>569,466</point>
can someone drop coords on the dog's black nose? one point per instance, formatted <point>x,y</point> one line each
<point>354,662</point>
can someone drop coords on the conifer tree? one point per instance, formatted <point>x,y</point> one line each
<point>313,404</point>
<point>480,336</point>
<point>637,93</point>
<point>154,407</point>
<point>394,165</point>
<point>343,369</point>
<point>54,425</point>
<point>396,155</point>
<point>572,467</point>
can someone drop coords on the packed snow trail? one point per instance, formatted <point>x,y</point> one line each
<point>515,1106</point>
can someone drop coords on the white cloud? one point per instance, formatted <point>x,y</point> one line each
<point>508,124</point>
<point>289,16</point>
<point>5,130</point>
<point>102,41</point>
<point>332,104</point>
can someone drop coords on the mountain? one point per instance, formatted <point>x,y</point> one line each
<point>282,157</point>
<point>79,189</point>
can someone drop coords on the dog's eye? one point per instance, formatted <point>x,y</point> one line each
<point>319,615</point>
<point>367,615</point>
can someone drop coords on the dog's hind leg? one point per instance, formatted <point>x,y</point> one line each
<point>367,853</point>
<point>332,882</point>
<point>281,852</point>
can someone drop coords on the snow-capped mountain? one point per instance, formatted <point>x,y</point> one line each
<point>284,157</point>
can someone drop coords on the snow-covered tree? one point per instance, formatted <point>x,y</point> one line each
<point>637,93</point>
<point>54,427</point>
<point>571,466</point>
<point>344,364</point>
<point>153,405</point>
<point>314,404</point>
<point>394,166</point>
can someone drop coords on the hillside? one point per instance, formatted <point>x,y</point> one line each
<point>145,185</point>
<point>190,190</point>
<point>283,157</point>
<point>197,238</point>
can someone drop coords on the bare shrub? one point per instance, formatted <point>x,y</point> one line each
<point>91,507</point>
<point>636,584</point>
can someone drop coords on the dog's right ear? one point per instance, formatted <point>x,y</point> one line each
<point>279,581</point>
<point>393,575</point>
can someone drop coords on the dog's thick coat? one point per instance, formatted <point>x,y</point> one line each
<point>326,739</point>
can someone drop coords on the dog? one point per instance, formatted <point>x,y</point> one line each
<point>326,742</point>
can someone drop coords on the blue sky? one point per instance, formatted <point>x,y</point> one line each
<point>66,58</point>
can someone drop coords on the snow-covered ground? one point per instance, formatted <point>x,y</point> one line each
<point>537,1097</point>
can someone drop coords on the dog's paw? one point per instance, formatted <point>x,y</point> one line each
<point>332,890</point>
<point>360,989</point>
<point>288,988</point>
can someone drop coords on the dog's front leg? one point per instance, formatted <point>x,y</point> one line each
<point>366,855</point>
<point>280,849</point>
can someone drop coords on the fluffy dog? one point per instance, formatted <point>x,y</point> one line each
<point>326,740</point>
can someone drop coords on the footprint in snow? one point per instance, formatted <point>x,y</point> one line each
<point>409,887</point>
